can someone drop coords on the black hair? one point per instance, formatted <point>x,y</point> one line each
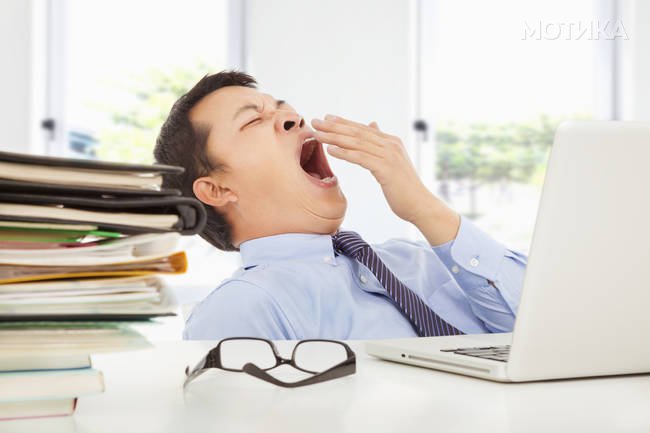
<point>185,144</point>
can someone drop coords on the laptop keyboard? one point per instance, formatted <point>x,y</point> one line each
<point>496,353</point>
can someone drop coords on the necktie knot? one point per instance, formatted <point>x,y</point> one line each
<point>349,243</point>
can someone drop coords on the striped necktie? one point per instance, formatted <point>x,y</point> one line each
<point>423,319</point>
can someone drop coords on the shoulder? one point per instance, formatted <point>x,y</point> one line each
<point>413,261</point>
<point>239,291</point>
<point>402,247</point>
<point>237,308</point>
<point>401,243</point>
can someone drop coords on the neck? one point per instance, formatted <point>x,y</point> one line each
<point>245,232</point>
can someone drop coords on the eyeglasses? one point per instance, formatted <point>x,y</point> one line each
<point>325,359</point>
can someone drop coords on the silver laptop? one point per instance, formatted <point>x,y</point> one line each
<point>585,305</point>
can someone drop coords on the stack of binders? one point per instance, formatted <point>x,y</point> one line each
<point>81,245</point>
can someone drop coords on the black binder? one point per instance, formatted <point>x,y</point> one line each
<point>88,164</point>
<point>191,213</point>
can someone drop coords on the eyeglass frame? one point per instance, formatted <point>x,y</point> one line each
<point>213,359</point>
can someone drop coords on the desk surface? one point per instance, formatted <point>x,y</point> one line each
<point>144,394</point>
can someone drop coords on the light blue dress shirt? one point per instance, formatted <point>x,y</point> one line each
<point>293,286</point>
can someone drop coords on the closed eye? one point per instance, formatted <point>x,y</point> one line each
<point>251,122</point>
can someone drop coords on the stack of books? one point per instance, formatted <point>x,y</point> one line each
<point>46,366</point>
<point>81,246</point>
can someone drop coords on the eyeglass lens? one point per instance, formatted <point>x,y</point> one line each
<point>237,353</point>
<point>317,356</point>
<point>314,356</point>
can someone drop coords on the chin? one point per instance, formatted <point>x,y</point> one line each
<point>327,217</point>
<point>332,207</point>
<point>333,227</point>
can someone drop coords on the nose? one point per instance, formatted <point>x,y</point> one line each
<point>286,121</point>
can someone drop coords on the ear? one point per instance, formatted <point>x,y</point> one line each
<point>212,193</point>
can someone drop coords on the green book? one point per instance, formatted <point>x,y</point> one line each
<point>23,234</point>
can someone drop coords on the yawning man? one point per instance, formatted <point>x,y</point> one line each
<point>262,174</point>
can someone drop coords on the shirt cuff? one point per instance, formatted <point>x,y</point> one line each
<point>473,257</point>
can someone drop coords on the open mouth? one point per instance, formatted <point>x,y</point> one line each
<point>314,163</point>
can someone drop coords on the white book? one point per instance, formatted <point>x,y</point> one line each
<point>52,226</point>
<point>163,304</point>
<point>71,294</point>
<point>23,416</point>
<point>37,344</point>
<point>26,360</point>
<point>84,285</point>
<point>137,247</point>
<point>83,299</point>
<point>88,294</point>
<point>156,221</point>
<point>80,176</point>
<point>49,384</point>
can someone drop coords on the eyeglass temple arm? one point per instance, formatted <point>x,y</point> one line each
<point>343,369</point>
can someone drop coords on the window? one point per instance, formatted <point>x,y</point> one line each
<point>124,63</point>
<point>495,87</point>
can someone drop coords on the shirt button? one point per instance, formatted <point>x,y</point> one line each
<point>455,269</point>
<point>474,262</point>
<point>363,279</point>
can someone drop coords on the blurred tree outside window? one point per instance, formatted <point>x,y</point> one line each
<point>126,62</point>
<point>478,154</point>
<point>494,99</point>
<point>133,128</point>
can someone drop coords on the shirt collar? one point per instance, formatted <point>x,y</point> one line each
<point>287,246</point>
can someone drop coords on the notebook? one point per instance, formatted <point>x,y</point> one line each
<point>49,384</point>
<point>136,247</point>
<point>43,345</point>
<point>81,172</point>
<point>14,410</point>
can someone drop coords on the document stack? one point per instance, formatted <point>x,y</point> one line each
<point>81,245</point>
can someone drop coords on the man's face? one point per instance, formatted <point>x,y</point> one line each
<point>276,175</point>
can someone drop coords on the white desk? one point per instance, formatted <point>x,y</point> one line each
<point>144,394</point>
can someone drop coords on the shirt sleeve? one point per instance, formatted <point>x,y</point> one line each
<point>237,309</point>
<point>490,274</point>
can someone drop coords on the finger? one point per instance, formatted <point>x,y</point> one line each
<point>361,126</point>
<point>366,134</point>
<point>364,159</point>
<point>347,142</point>
<point>339,128</point>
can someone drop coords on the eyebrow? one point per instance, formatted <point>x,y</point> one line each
<point>255,107</point>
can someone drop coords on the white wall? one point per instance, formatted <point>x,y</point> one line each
<point>22,61</point>
<point>351,58</point>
